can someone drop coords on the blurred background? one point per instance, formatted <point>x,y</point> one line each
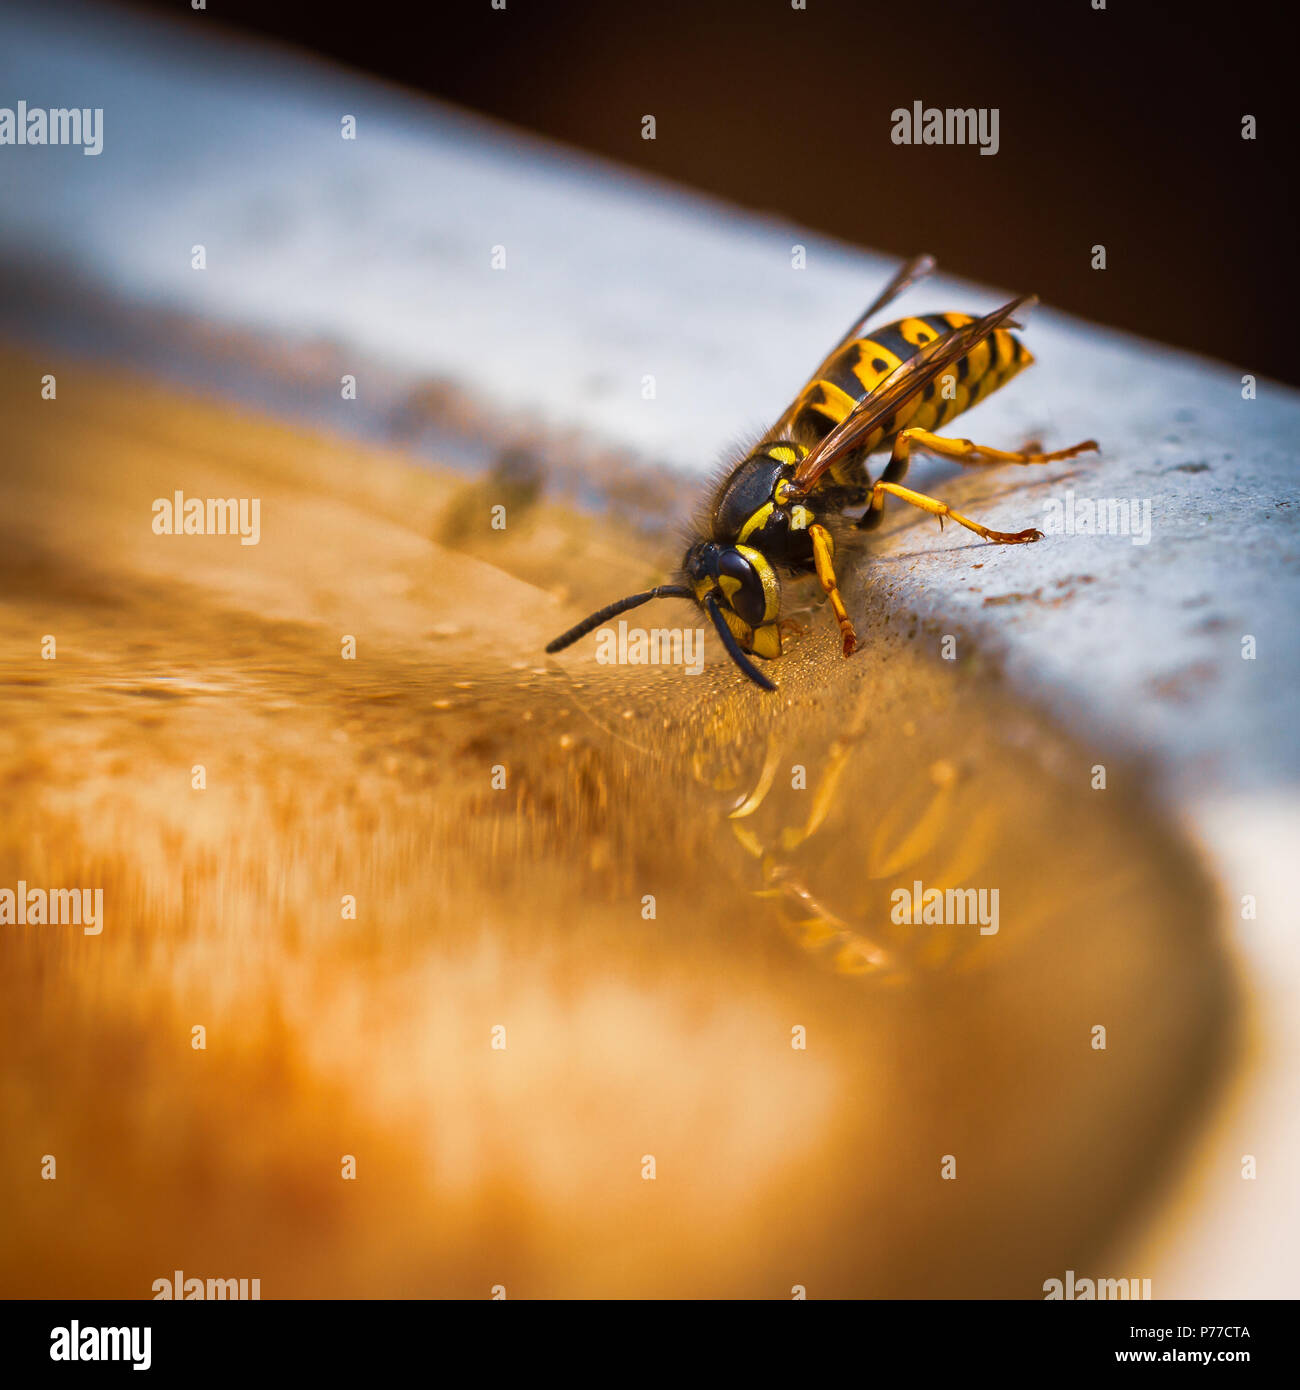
<point>1120,126</point>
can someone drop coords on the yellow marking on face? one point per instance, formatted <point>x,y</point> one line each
<point>729,585</point>
<point>800,518</point>
<point>781,492</point>
<point>755,522</point>
<point>782,453</point>
<point>740,629</point>
<point>771,589</point>
<point>702,587</point>
<point>767,640</point>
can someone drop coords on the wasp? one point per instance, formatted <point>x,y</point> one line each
<point>775,513</point>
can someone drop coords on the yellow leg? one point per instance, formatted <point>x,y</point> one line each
<point>942,510</point>
<point>823,549</point>
<point>963,451</point>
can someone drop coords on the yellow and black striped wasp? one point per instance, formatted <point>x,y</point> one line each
<point>768,516</point>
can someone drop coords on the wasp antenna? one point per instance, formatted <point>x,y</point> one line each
<point>612,610</point>
<point>733,647</point>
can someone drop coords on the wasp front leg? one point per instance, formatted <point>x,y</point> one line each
<point>823,550</point>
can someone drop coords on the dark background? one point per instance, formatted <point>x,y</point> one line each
<point>1119,126</point>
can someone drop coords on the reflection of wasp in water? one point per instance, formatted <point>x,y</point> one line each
<point>829,904</point>
<point>770,513</point>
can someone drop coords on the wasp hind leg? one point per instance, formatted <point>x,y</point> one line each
<point>823,551</point>
<point>967,452</point>
<point>963,451</point>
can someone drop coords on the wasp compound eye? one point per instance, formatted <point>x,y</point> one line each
<point>742,587</point>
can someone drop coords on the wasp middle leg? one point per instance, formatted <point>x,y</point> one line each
<point>963,451</point>
<point>942,510</point>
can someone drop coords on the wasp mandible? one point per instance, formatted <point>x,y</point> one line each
<point>769,515</point>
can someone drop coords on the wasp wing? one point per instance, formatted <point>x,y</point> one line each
<point>897,389</point>
<point>904,278</point>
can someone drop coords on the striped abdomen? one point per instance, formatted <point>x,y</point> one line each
<point>856,369</point>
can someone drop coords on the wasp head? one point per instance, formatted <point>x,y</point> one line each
<point>739,588</point>
<point>736,587</point>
